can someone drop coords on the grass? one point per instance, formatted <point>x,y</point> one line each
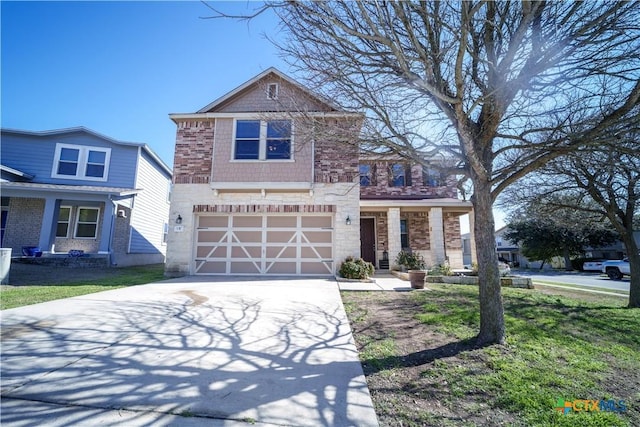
<point>557,348</point>
<point>19,296</point>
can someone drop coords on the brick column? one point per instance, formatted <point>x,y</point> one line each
<point>393,232</point>
<point>436,236</point>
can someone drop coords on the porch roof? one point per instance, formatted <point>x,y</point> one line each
<point>75,189</point>
<point>448,204</point>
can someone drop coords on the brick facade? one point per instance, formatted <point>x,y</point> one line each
<point>380,188</point>
<point>24,222</point>
<point>336,158</point>
<point>193,152</point>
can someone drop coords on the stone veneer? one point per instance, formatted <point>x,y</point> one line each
<point>185,199</point>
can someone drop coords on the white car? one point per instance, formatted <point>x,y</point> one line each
<point>592,265</point>
<point>616,269</point>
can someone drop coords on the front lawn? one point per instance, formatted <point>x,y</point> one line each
<point>17,296</point>
<point>422,366</point>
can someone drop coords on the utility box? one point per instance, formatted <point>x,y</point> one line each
<point>5,265</point>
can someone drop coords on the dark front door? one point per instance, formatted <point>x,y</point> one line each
<point>368,240</point>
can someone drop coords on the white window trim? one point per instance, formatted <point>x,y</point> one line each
<point>165,234</point>
<point>275,91</point>
<point>75,228</point>
<point>262,149</point>
<point>83,161</point>
<point>68,222</point>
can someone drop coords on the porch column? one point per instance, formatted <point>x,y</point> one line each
<point>107,226</point>
<point>49,224</point>
<point>472,237</point>
<point>393,233</point>
<point>436,236</point>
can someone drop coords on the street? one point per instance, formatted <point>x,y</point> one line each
<point>576,278</point>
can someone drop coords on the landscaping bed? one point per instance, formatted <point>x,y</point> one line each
<point>422,367</point>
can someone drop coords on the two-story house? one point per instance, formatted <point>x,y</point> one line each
<point>76,190</point>
<point>268,180</point>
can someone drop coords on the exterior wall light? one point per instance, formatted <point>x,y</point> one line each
<point>179,219</point>
<point>348,220</point>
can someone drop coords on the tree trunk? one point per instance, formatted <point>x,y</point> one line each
<point>567,260</point>
<point>492,330</point>
<point>634,266</point>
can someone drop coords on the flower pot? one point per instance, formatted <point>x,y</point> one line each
<point>416,277</point>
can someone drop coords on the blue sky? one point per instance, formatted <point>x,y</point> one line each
<point>119,68</point>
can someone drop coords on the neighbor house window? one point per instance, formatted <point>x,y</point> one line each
<point>64,219</point>
<point>367,175</point>
<point>263,140</point>
<point>399,175</point>
<point>165,233</point>
<point>81,162</point>
<point>87,223</point>
<point>404,234</point>
<point>432,177</point>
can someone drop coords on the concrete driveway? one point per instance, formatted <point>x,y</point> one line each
<point>188,352</point>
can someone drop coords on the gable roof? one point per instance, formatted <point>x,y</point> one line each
<point>250,83</point>
<point>82,129</point>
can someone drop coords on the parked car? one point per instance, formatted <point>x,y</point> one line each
<point>594,265</point>
<point>616,269</point>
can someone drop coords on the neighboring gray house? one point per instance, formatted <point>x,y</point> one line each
<point>74,189</point>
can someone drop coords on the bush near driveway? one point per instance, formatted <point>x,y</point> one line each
<point>422,367</point>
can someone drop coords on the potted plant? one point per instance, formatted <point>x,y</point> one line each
<point>415,266</point>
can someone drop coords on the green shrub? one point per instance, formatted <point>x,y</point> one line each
<point>412,261</point>
<point>441,270</point>
<point>356,268</point>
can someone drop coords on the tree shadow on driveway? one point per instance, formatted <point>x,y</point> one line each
<point>233,358</point>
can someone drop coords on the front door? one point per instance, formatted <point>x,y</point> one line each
<point>368,240</point>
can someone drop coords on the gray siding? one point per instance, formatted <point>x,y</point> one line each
<point>35,155</point>
<point>150,209</point>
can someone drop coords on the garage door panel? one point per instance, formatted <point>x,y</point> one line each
<point>316,252</point>
<point>208,267</point>
<point>281,236</point>
<point>314,268</point>
<point>211,236</point>
<point>282,268</point>
<point>246,252</point>
<point>211,251</point>
<point>318,236</point>
<point>247,221</point>
<point>264,244</point>
<point>317,222</point>
<point>281,252</point>
<point>282,222</point>
<point>238,267</point>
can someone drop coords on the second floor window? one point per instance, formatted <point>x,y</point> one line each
<point>432,177</point>
<point>399,175</point>
<point>367,177</point>
<point>81,162</point>
<point>263,140</point>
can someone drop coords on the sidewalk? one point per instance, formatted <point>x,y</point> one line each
<point>382,281</point>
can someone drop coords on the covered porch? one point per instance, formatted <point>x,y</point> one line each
<point>430,227</point>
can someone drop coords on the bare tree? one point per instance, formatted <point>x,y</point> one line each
<point>603,180</point>
<point>492,84</point>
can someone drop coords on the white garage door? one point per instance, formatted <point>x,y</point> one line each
<point>265,244</point>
